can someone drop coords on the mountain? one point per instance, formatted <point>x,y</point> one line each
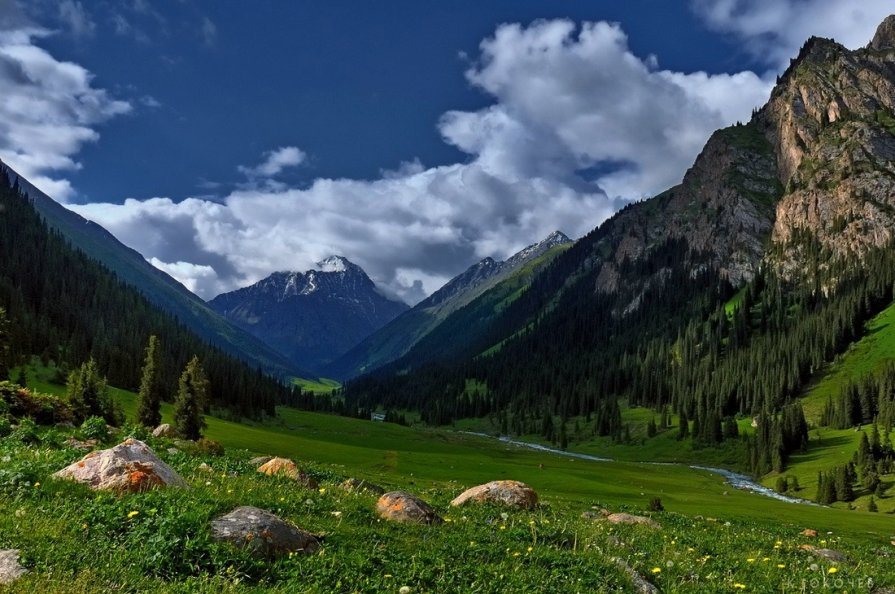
<point>158,287</point>
<point>66,307</point>
<point>395,339</point>
<point>725,295</point>
<point>312,317</point>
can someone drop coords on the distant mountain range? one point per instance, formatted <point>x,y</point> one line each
<point>311,317</point>
<point>397,338</point>
<point>158,287</point>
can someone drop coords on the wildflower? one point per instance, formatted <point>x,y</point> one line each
<point>84,526</point>
<point>404,590</point>
<point>516,554</point>
<point>472,543</point>
<point>530,549</point>
<point>832,570</point>
<point>657,570</point>
<point>133,514</point>
<point>36,485</point>
<point>739,586</point>
<point>766,559</point>
<point>337,514</point>
<point>322,490</point>
<point>502,527</point>
<point>750,560</point>
<point>781,566</point>
<point>669,564</point>
<point>229,491</point>
<point>388,576</point>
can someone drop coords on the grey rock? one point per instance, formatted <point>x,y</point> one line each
<point>262,533</point>
<point>164,430</point>
<point>354,484</point>
<point>259,460</point>
<point>10,570</point>
<point>640,583</point>
<point>400,506</point>
<point>129,467</point>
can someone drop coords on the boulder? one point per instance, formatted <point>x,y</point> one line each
<point>129,467</point>
<point>262,533</point>
<point>164,430</point>
<point>512,493</point>
<point>354,484</point>
<point>622,518</point>
<point>287,468</point>
<point>400,506</point>
<point>258,461</point>
<point>10,570</point>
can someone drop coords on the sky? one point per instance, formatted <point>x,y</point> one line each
<point>225,140</point>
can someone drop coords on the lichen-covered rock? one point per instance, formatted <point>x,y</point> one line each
<point>400,506</point>
<point>129,467</point>
<point>512,493</point>
<point>262,533</point>
<point>259,460</point>
<point>10,570</point>
<point>354,484</point>
<point>287,468</point>
<point>622,518</point>
<point>164,430</point>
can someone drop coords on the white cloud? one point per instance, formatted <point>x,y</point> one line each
<point>776,29</point>
<point>76,17</point>
<point>570,105</point>
<point>49,111</point>
<point>275,162</point>
<point>209,32</point>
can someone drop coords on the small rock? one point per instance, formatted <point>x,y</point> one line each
<point>259,460</point>
<point>287,468</point>
<point>400,506</point>
<point>512,493</point>
<point>77,444</point>
<point>589,515</point>
<point>808,532</point>
<point>164,430</point>
<point>354,484</point>
<point>641,585</point>
<point>614,541</point>
<point>204,467</point>
<point>262,533</point>
<point>173,451</point>
<point>699,517</point>
<point>831,555</point>
<point>129,467</point>
<point>10,570</point>
<point>631,519</point>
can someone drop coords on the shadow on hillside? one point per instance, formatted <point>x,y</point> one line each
<point>817,447</point>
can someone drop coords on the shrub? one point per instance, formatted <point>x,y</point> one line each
<point>95,428</point>
<point>26,432</point>
<point>209,447</point>
<point>5,427</point>
<point>782,485</point>
<point>655,505</point>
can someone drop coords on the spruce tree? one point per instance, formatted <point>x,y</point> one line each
<point>871,506</point>
<point>5,341</point>
<point>149,410</point>
<point>89,396</point>
<point>683,427</point>
<point>192,396</point>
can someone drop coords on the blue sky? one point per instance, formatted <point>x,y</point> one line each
<point>225,139</point>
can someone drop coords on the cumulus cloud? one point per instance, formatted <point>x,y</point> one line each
<point>776,29</point>
<point>577,126</point>
<point>49,111</point>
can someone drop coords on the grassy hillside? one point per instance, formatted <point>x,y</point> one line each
<point>866,356</point>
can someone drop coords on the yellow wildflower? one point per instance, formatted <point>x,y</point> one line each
<point>36,485</point>
<point>530,549</point>
<point>739,586</point>
<point>832,570</point>
<point>133,514</point>
<point>322,490</point>
<point>750,560</point>
<point>657,570</point>
<point>781,566</point>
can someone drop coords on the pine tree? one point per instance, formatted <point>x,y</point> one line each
<point>149,410</point>
<point>871,506</point>
<point>5,341</point>
<point>651,428</point>
<point>683,427</point>
<point>89,396</point>
<point>192,397</point>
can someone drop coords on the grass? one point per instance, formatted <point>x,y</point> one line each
<point>320,386</point>
<point>864,357</point>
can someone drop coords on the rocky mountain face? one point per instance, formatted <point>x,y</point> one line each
<point>398,337</point>
<point>816,163</point>
<point>311,317</point>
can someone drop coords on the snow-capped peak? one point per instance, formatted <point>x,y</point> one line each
<point>334,264</point>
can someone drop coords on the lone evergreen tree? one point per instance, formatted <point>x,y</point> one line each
<point>4,345</point>
<point>88,394</point>
<point>192,396</point>
<point>149,410</point>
